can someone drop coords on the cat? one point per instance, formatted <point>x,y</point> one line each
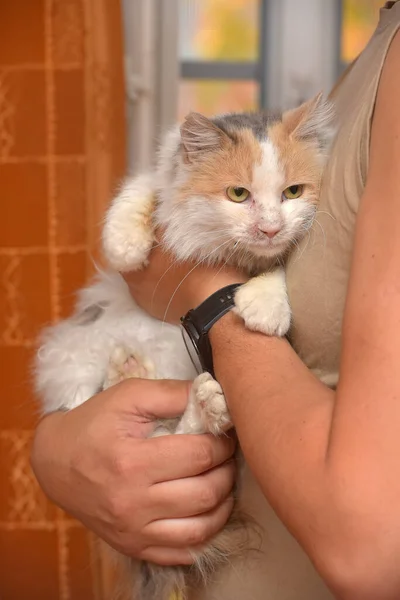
<point>240,189</point>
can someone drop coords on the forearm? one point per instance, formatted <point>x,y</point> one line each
<point>284,415</point>
<point>48,461</point>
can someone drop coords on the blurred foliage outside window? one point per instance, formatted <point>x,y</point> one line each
<point>218,30</point>
<point>360,17</point>
<point>229,30</point>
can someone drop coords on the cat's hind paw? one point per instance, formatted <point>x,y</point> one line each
<point>206,410</point>
<point>211,403</point>
<point>126,365</point>
<point>263,304</point>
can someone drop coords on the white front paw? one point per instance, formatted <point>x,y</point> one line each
<point>263,305</point>
<point>127,246</point>
<point>128,233</point>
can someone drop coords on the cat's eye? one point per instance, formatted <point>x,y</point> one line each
<point>237,194</point>
<point>292,192</point>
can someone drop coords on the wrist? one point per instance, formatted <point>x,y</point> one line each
<point>207,283</point>
<point>198,322</point>
<point>222,328</point>
<point>45,452</point>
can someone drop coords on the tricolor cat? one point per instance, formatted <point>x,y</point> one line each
<point>240,189</point>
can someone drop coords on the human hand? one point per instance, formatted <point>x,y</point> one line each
<point>167,289</point>
<point>152,499</point>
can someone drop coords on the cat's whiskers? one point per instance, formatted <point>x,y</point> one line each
<point>243,258</point>
<point>187,275</point>
<point>156,245</point>
<point>226,260</point>
<point>306,244</point>
<point>322,230</point>
<point>325,212</point>
<point>296,242</point>
<point>174,262</point>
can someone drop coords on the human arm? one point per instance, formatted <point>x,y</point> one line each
<point>329,462</point>
<point>148,498</point>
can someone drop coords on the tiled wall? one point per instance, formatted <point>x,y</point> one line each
<point>62,152</point>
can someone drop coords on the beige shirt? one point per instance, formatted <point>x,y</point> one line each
<point>317,281</point>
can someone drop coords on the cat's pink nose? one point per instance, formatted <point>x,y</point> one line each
<point>270,231</point>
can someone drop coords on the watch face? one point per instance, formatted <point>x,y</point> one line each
<point>190,347</point>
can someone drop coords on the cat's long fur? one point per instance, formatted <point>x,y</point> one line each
<point>110,338</point>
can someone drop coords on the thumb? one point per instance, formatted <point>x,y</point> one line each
<point>160,398</point>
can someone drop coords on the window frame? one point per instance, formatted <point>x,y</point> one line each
<point>286,73</point>
<point>246,70</point>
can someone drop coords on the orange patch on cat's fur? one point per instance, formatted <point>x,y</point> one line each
<point>233,165</point>
<point>299,160</point>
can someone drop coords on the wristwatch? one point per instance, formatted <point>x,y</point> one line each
<point>197,323</point>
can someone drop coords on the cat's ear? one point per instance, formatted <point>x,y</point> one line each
<point>199,135</point>
<point>312,122</point>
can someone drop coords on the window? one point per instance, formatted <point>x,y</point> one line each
<point>359,19</point>
<point>220,57</point>
<point>217,56</point>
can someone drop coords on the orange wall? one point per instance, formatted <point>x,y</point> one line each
<point>61,154</point>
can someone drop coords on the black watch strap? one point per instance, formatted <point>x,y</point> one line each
<point>199,321</point>
<point>215,307</point>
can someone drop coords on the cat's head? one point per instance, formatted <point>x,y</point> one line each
<point>245,185</point>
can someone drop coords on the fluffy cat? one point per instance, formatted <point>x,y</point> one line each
<point>238,189</point>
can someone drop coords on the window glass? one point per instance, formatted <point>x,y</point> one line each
<point>219,30</point>
<point>211,97</point>
<point>360,18</point>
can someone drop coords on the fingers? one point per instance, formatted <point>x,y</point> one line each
<point>180,456</point>
<point>154,399</point>
<point>193,495</point>
<point>168,399</point>
<point>191,531</point>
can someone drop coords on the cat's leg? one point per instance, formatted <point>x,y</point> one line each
<point>67,368</point>
<point>263,303</point>
<point>128,234</point>
<point>206,410</point>
<point>125,364</point>
<point>72,361</point>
